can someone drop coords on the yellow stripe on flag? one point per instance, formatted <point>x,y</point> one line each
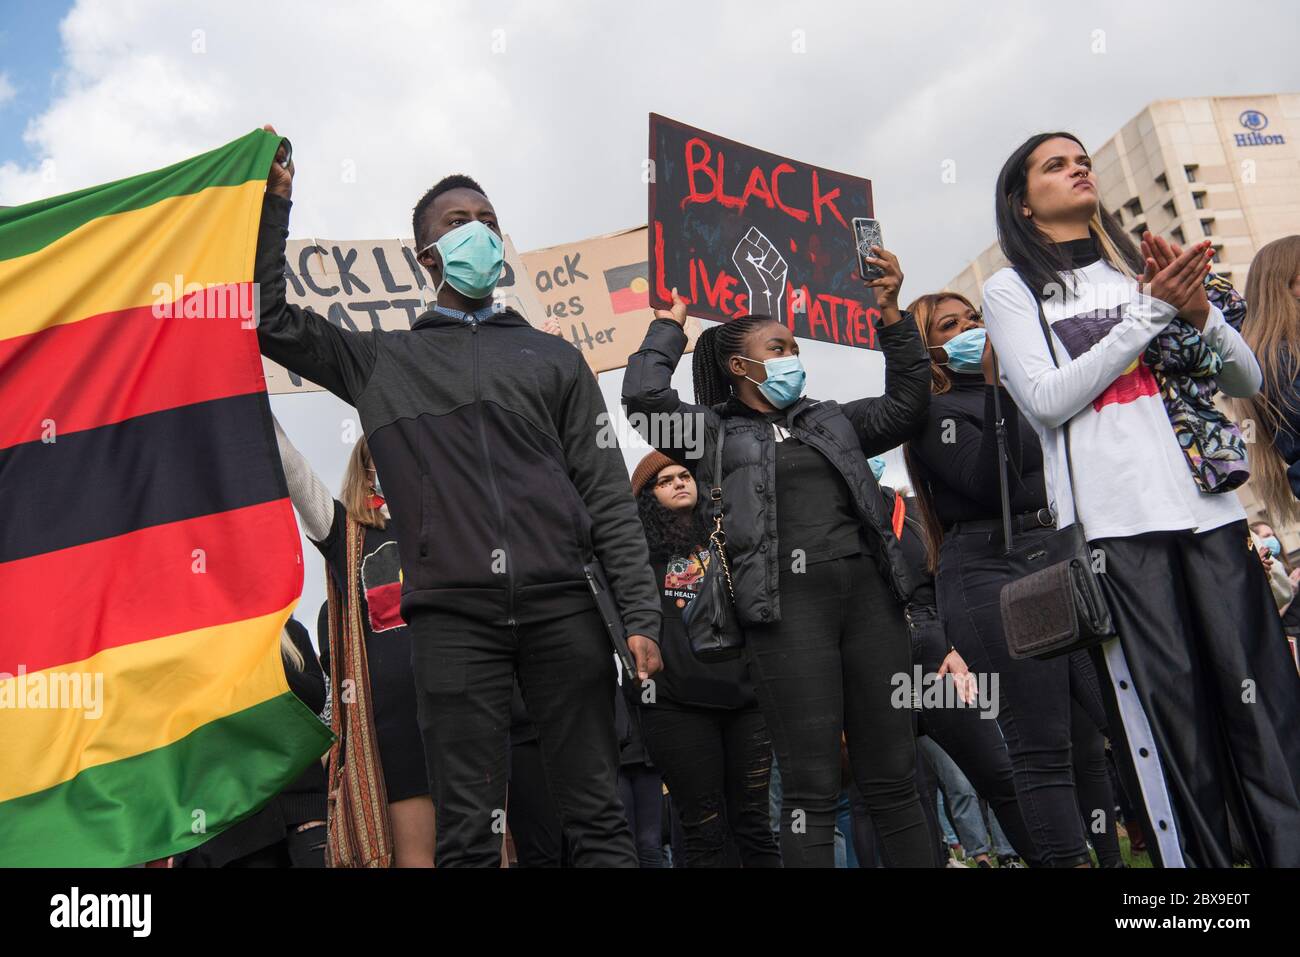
<point>203,238</point>
<point>153,693</point>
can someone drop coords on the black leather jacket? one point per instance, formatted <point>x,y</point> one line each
<point>847,435</point>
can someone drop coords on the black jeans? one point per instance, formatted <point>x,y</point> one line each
<point>463,674</point>
<point>1092,784</point>
<point>530,812</point>
<point>716,764</point>
<point>1212,671</point>
<point>641,790</point>
<point>866,843</point>
<point>828,666</point>
<point>1034,697</point>
<point>972,740</point>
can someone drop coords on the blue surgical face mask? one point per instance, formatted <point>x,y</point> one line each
<point>966,350</point>
<point>877,467</point>
<point>473,258</point>
<point>1273,545</point>
<point>784,382</point>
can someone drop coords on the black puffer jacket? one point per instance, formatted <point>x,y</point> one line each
<point>847,435</point>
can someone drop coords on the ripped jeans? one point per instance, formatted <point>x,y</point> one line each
<point>716,764</point>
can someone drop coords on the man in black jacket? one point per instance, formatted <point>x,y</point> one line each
<point>484,433</point>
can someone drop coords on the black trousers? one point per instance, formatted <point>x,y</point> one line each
<point>1091,769</point>
<point>866,843</point>
<point>530,812</point>
<point>717,765</point>
<point>828,666</point>
<point>463,672</point>
<point>1034,697</point>
<point>973,741</point>
<point>1211,668</point>
<point>641,789</point>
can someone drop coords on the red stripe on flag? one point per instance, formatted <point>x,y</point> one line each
<point>118,365</point>
<point>625,300</point>
<point>64,606</point>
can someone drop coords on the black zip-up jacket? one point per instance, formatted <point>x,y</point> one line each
<point>485,436</point>
<point>956,455</point>
<point>846,435</point>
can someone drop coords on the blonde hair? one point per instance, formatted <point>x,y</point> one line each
<point>1272,330</point>
<point>357,488</point>
<point>289,650</point>
<point>923,309</point>
<point>1109,251</point>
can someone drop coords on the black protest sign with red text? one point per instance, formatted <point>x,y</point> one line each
<point>739,230</point>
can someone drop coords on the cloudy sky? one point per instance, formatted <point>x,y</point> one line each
<point>545,103</point>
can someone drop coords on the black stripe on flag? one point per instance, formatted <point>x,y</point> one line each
<point>163,467</point>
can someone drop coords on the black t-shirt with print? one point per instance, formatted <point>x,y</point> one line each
<point>388,651</point>
<point>685,680</point>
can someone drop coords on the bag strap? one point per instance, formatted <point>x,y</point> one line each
<point>717,536</point>
<point>1000,427</point>
<point>715,489</point>
<point>1069,463</point>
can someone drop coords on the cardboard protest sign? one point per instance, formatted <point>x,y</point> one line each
<point>738,230</point>
<point>598,293</point>
<point>372,285</point>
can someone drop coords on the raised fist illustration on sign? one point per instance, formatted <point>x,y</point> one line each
<point>763,269</point>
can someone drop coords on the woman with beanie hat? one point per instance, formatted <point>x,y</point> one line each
<point>700,722</point>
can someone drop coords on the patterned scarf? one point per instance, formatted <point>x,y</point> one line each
<point>1186,368</point>
<point>359,830</point>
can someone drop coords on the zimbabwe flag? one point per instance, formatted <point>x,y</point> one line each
<point>148,552</point>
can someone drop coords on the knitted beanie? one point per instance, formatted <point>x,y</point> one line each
<point>647,469</point>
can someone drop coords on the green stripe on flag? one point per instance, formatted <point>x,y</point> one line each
<point>144,808</point>
<point>25,229</point>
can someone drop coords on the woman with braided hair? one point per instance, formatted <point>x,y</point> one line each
<point>818,576</point>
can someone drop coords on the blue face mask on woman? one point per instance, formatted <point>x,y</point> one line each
<point>1273,545</point>
<point>877,467</point>
<point>784,382</point>
<point>966,350</point>
<point>473,258</point>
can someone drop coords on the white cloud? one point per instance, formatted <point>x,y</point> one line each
<point>7,90</point>
<point>554,125</point>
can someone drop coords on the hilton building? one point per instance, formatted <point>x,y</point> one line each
<point>1226,169</point>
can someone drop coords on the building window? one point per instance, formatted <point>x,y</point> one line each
<point>1134,208</point>
<point>1199,200</point>
<point>1162,181</point>
<point>1119,216</point>
<point>1178,236</point>
<point>1171,209</point>
<point>1138,230</point>
<point>1207,227</point>
<point>1218,254</point>
<point>1190,171</point>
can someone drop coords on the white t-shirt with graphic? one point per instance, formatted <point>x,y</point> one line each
<point>1130,472</point>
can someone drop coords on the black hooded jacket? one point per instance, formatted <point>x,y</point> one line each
<point>486,436</point>
<point>846,435</point>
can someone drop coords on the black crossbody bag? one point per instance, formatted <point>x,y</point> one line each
<point>1055,605</point>
<point>710,618</point>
